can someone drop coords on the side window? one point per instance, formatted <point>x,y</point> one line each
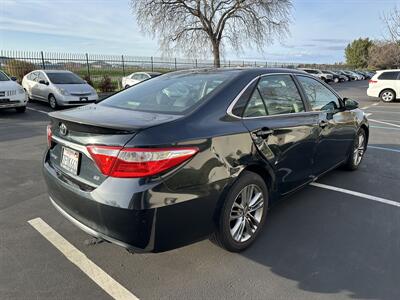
<point>280,95</point>
<point>41,77</point>
<point>389,76</point>
<point>319,96</point>
<point>33,76</point>
<point>135,77</point>
<point>255,107</point>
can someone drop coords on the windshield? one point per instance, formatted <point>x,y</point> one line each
<point>174,94</point>
<point>3,77</point>
<point>65,78</point>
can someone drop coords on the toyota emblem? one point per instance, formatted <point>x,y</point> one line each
<point>63,129</point>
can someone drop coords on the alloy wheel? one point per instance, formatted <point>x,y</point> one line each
<point>246,213</point>
<point>359,149</point>
<point>53,102</point>
<point>387,96</point>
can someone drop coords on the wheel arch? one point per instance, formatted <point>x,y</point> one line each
<point>387,89</point>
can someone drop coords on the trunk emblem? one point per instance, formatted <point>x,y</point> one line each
<point>63,129</point>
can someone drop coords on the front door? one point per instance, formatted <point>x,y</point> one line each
<point>283,132</point>
<point>337,127</point>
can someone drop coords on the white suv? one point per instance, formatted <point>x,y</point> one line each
<point>385,85</point>
<point>12,95</point>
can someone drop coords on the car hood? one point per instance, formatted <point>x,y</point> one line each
<point>8,85</point>
<point>75,88</point>
<point>111,117</point>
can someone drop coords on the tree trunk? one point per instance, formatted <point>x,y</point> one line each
<point>216,54</point>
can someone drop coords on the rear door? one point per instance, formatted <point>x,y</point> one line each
<point>337,127</point>
<point>282,130</point>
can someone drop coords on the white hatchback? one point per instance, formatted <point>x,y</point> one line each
<point>12,95</point>
<point>385,85</point>
<point>137,77</point>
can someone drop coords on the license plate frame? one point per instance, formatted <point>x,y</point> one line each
<point>70,160</point>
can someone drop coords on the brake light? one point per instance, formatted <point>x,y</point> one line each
<point>138,162</point>
<point>49,135</point>
<point>372,81</point>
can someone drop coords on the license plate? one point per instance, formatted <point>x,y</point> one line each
<point>83,98</point>
<point>70,160</point>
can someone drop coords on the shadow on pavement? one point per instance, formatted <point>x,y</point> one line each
<point>331,242</point>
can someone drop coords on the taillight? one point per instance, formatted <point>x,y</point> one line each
<point>138,162</point>
<point>372,81</point>
<point>49,135</point>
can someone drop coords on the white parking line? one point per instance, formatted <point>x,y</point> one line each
<point>383,127</point>
<point>357,194</point>
<point>38,110</point>
<point>101,278</point>
<point>386,123</point>
<point>368,106</point>
<point>384,112</point>
<point>384,148</point>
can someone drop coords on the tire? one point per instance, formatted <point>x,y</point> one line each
<point>53,102</point>
<point>357,151</point>
<point>387,95</point>
<point>239,233</point>
<point>21,109</point>
<point>336,80</point>
<point>126,86</point>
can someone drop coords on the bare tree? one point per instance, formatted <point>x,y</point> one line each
<point>197,26</point>
<point>384,55</point>
<point>392,22</point>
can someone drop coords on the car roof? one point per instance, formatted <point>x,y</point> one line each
<point>52,71</point>
<point>390,70</point>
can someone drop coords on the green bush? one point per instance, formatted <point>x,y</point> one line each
<point>18,68</point>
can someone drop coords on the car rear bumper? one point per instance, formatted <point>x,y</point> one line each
<point>142,230</point>
<point>372,92</point>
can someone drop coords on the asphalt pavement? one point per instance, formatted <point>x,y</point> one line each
<point>339,242</point>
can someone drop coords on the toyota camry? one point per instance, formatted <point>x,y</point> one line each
<point>196,154</point>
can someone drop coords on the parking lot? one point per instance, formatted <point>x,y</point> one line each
<point>338,239</point>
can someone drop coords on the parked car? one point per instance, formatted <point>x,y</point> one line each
<point>336,77</point>
<point>346,76</point>
<point>320,74</point>
<point>58,88</point>
<point>12,95</point>
<point>137,77</point>
<point>197,153</point>
<point>385,85</point>
<point>353,76</point>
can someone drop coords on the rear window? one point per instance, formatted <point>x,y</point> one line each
<point>64,78</point>
<point>173,94</point>
<point>389,76</point>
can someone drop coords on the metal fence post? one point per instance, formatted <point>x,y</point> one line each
<point>87,65</point>
<point>175,65</point>
<point>152,64</point>
<point>123,65</point>
<point>266,64</point>
<point>229,63</point>
<point>243,64</point>
<point>195,62</point>
<point>43,64</point>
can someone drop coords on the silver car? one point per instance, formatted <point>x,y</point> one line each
<point>58,88</point>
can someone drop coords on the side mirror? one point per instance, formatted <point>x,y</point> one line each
<point>43,82</point>
<point>13,78</point>
<point>350,104</point>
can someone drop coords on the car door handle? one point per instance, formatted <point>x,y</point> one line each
<point>264,132</point>
<point>323,123</point>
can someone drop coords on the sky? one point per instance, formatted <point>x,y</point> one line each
<point>319,31</point>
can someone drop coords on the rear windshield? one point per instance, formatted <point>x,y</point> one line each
<point>3,77</point>
<point>65,78</point>
<point>174,94</point>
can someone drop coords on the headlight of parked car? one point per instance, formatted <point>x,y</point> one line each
<point>63,91</point>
